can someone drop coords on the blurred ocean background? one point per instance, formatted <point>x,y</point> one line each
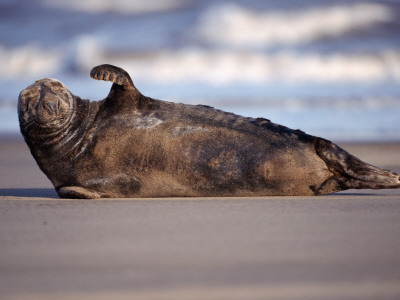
<point>330,68</point>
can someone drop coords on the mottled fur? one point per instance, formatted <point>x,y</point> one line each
<point>129,145</point>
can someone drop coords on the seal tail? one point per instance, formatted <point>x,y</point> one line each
<point>350,172</point>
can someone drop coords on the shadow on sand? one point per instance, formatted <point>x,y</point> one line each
<point>28,192</point>
<point>51,193</point>
<point>350,194</point>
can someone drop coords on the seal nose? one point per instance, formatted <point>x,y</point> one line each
<point>52,104</point>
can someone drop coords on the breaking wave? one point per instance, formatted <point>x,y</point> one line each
<point>221,67</point>
<point>234,25</point>
<point>228,24</point>
<point>29,61</point>
<point>209,66</point>
<point>118,6</point>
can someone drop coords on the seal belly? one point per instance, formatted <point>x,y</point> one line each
<point>211,161</point>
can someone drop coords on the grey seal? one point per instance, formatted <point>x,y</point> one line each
<point>130,145</point>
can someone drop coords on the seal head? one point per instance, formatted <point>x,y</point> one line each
<point>53,123</point>
<point>47,104</point>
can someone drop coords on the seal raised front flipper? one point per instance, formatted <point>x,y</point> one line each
<point>114,74</point>
<point>123,93</point>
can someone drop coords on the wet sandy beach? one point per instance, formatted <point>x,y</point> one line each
<point>340,246</point>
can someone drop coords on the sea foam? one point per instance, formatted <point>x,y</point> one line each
<point>227,66</point>
<point>118,6</point>
<point>29,61</point>
<point>234,25</point>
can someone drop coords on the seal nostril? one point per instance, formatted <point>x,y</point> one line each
<point>48,106</point>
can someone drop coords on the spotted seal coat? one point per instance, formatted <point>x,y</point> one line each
<point>129,145</point>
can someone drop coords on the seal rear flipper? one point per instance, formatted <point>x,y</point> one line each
<point>337,183</point>
<point>77,192</point>
<point>351,172</point>
<point>114,74</point>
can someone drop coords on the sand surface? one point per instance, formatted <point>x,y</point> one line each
<point>340,246</point>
